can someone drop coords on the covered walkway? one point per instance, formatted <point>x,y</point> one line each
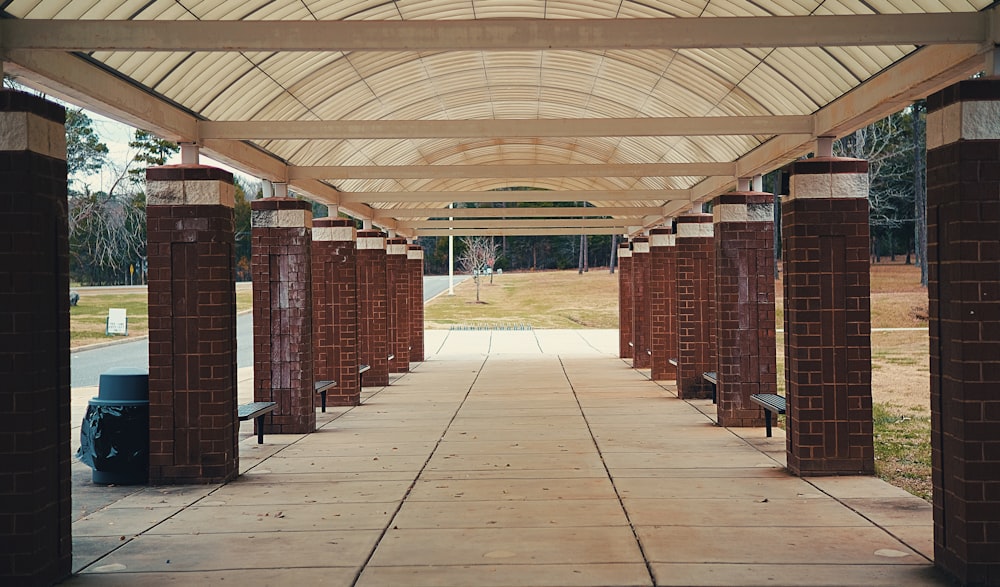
<point>513,458</point>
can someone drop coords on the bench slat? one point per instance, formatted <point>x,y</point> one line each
<point>257,411</point>
<point>771,403</point>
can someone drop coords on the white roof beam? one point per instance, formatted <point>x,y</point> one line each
<point>518,196</point>
<point>506,128</point>
<point>515,223</point>
<point>501,231</point>
<point>510,213</point>
<point>512,171</point>
<point>503,35</point>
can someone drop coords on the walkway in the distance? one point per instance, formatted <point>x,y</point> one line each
<point>547,461</point>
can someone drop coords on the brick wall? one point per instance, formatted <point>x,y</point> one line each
<point>662,303</point>
<point>398,298</point>
<point>281,265</point>
<point>335,309</point>
<point>641,327</point>
<point>415,265</point>
<point>193,430</point>
<point>963,218</point>
<point>696,348</point>
<point>625,301</point>
<point>824,227</point>
<point>35,495</point>
<point>744,304</point>
<point>373,324</point>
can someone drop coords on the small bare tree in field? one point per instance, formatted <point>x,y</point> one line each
<point>479,253</point>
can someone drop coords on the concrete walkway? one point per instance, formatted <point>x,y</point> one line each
<point>513,458</point>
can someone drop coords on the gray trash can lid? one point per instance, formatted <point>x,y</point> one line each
<point>123,384</point>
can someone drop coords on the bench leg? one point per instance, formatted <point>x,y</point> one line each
<point>715,389</point>
<point>767,422</point>
<point>323,395</point>
<point>260,429</point>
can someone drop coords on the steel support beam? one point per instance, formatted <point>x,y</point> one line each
<point>497,34</point>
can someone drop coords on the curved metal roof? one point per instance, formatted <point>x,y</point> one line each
<point>177,85</point>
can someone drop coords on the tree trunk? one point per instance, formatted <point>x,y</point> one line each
<point>614,253</point>
<point>920,188</point>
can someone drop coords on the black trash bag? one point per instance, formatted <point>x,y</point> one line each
<point>115,438</point>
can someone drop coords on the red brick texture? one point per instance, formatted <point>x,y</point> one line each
<point>963,218</point>
<point>415,266</point>
<point>625,301</point>
<point>696,347</point>
<point>662,303</point>
<point>398,298</point>
<point>827,322</point>
<point>35,496</point>
<point>193,430</point>
<point>335,309</point>
<point>280,263</point>
<point>744,305</point>
<point>373,318</point>
<point>641,326</point>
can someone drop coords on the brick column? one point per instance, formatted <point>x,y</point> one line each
<point>398,298</point>
<point>662,303</point>
<point>641,329</point>
<point>373,325</point>
<point>35,496</point>
<point>625,301</point>
<point>415,265</point>
<point>744,304</point>
<point>696,350</point>
<point>824,224</point>
<point>963,224</point>
<point>335,309</point>
<point>193,430</point>
<point>281,241</point>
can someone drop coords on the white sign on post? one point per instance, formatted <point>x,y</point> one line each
<point>117,322</point>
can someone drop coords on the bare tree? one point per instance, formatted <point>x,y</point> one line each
<point>479,254</point>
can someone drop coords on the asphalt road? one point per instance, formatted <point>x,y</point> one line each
<point>86,366</point>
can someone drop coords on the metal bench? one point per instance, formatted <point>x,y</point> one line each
<point>672,362</point>
<point>713,378</point>
<point>256,410</point>
<point>322,387</point>
<point>771,403</point>
<point>362,369</point>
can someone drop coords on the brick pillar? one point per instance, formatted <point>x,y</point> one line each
<point>35,496</point>
<point>625,301</point>
<point>641,329</point>
<point>281,241</point>
<point>662,303</point>
<point>335,309</point>
<point>373,325</point>
<point>824,224</point>
<point>744,304</point>
<point>696,350</point>
<point>193,430</point>
<point>398,298</point>
<point>415,265</point>
<point>963,221</point>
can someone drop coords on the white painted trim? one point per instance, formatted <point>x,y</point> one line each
<point>333,233</point>
<point>190,193</point>
<point>662,240</point>
<point>695,230</point>
<point>828,185</point>
<point>974,121</point>
<point>25,131</point>
<point>371,243</point>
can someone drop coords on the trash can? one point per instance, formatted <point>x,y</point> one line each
<point>114,436</point>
